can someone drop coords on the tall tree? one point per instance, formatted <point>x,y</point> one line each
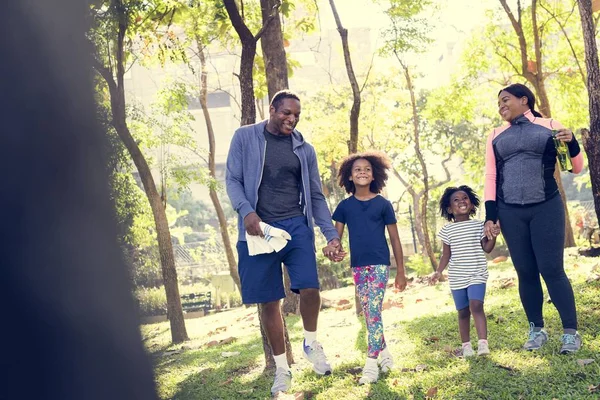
<point>273,50</point>
<point>532,69</point>
<point>201,22</point>
<point>592,139</point>
<point>248,41</point>
<point>113,21</point>
<point>405,36</point>
<point>356,100</point>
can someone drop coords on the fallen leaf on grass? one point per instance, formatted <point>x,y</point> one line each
<point>228,340</point>
<point>421,367</point>
<point>431,393</point>
<point>227,382</point>
<point>247,391</point>
<point>594,388</point>
<point>585,361</point>
<point>506,283</point>
<point>171,352</point>
<point>354,370</point>
<point>418,300</point>
<point>500,319</point>
<point>227,354</point>
<point>432,339</point>
<point>455,352</point>
<point>592,278</point>
<point>395,382</point>
<point>212,343</point>
<point>504,367</point>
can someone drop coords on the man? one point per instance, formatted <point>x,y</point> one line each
<point>272,176</point>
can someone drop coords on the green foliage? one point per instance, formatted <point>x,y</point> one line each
<point>419,264</point>
<point>151,301</point>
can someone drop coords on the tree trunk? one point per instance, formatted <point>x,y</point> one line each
<point>248,41</point>
<point>269,360</point>
<point>271,42</point>
<point>537,80</point>
<point>233,271</point>
<point>356,101</point>
<point>591,138</point>
<point>421,200</point>
<point>165,247</point>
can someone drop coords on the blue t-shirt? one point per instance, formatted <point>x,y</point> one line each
<point>366,221</point>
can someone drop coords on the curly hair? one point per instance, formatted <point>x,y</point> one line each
<point>445,201</point>
<point>380,163</point>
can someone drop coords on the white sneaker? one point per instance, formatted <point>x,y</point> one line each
<point>283,381</point>
<point>467,351</point>
<point>315,354</point>
<point>386,363</point>
<point>370,373</point>
<point>483,349</point>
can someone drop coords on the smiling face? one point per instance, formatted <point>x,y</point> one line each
<point>284,119</point>
<point>362,173</point>
<point>510,106</point>
<point>460,206</point>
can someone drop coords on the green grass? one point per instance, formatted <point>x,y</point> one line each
<point>423,333</point>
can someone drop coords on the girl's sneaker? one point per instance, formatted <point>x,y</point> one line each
<point>467,350</point>
<point>386,363</point>
<point>370,372</point>
<point>482,348</point>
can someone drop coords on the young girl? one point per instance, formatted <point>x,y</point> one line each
<point>464,242</point>
<point>367,214</point>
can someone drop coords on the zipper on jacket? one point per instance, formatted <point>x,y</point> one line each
<point>262,170</point>
<point>302,179</point>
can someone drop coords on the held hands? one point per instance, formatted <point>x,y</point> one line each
<point>491,229</point>
<point>252,224</point>
<point>564,135</point>
<point>334,251</point>
<point>435,277</point>
<point>400,281</point>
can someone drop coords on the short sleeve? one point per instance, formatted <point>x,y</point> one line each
<point>338,214</point>
<point>389,216</point>
<point>443,235</point>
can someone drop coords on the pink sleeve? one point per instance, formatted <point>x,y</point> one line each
<point>577,161</point>
<point>489,189</point>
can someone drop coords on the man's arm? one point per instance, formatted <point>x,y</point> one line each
<point>234,177</point>
<point>234,183</point>
<point>321,213</point>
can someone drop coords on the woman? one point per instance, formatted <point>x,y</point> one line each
<point>522,198</point>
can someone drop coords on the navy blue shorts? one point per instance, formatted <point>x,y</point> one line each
<point>473,292</point>
<point>262,276</point>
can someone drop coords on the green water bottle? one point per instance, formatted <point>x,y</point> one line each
<point>562,153</point>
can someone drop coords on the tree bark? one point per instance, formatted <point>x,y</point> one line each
<point>119,121</point>
<point>591,138</point>
<point>232,263</point>
<point>271,42</point>
<point>248,41</point>
<point>537,80</point>
<point>356,100</point>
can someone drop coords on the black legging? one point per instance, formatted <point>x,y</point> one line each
<point>535,236</point>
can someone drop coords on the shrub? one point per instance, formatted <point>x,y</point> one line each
<point>151,301</point>
<point>419,265</point>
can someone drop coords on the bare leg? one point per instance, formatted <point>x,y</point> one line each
<point>273,324</point>
<point>476,308</point>
<point>464,324</point>
<point>310,304</point>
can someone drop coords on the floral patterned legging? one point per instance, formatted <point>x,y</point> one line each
<point>370,282</point>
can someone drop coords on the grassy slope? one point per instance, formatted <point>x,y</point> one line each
<point>421,334</point>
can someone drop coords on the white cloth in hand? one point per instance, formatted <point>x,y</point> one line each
<point>274,239</point>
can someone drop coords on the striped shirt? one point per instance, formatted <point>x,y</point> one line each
<point>467,265</point>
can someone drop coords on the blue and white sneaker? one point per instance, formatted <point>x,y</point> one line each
<point>315,354</point>
<point>283,381</point>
